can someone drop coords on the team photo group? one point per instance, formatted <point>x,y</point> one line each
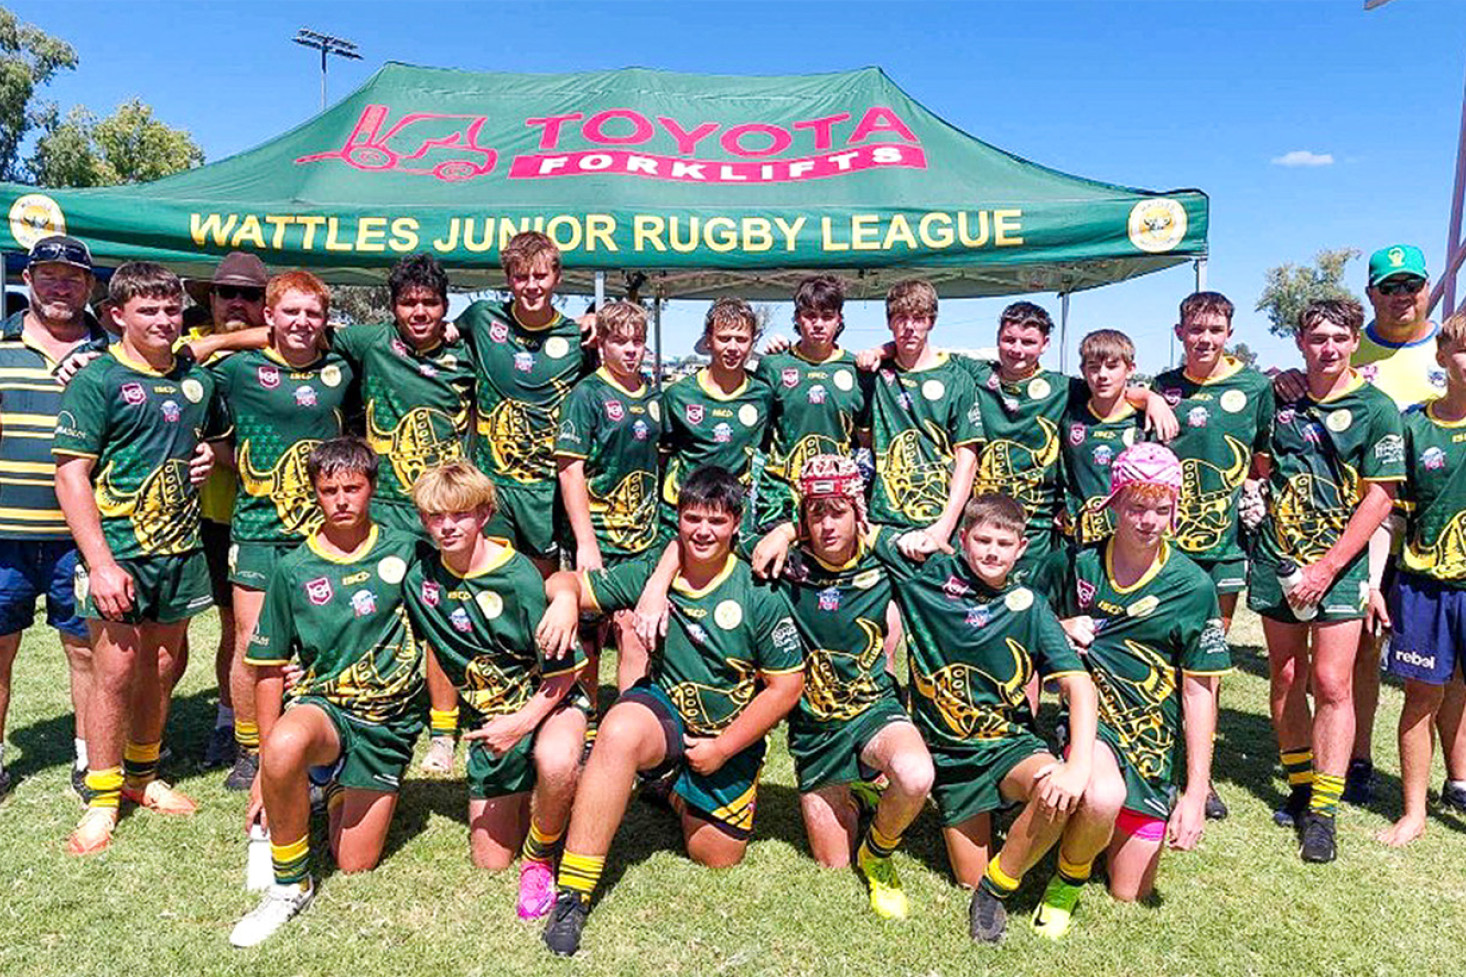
<point>980,587</point>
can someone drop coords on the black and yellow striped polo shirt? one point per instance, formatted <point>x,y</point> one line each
<point>30,397</point>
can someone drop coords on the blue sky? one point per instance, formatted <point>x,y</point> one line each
<point>1156,95</point>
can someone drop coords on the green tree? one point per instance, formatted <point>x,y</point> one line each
<point>1244,353</point>
<point>129,146</point>
<point>29,58</point>
<point>361,303</point>
<point>1291,287</point>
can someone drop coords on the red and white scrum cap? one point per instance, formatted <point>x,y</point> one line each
<point>833,477</point>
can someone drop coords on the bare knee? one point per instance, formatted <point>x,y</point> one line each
<point>357,861</point>
<point>1103,798</point>
<point>1128,891</point>
<point>492,858</point>
<point>1332,686</point>
<point>723,853</point>
<point>912,774</point>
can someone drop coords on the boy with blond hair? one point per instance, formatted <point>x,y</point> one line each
<point>1096,431</point>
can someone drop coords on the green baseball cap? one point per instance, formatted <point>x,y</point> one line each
<point>1398,259</point>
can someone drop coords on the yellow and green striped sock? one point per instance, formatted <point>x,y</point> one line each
<point>104,787</point>
<point>539,846</point>
<point>1074,873</point>
<point>1326,792</point>
<point>997,882</point>
<point>1298,766</point>
<point>140,764</point>
<point>443,722</point>
<point>878,844</point>
<point>291,860</point>
<point>247,735</point>
<point>580,874</point>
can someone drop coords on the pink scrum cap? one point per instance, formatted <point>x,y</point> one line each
<point>1145,463</point>
<point>833,477</point>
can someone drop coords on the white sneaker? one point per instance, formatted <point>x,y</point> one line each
<point>280,905</point>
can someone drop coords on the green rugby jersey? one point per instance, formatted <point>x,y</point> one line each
<point>1146,636</point>
<point>919,418</point>
<point>343,620</point>
<point>840,612</point>
<point>1090,446</point>
<point>279,413</point>
<point>973,649</point>
<point>416,402</point>
<point>481,628</point>
<point>30,398</point>
<point>1433,496</point>
<point>1322,454</point>
<point>1224,421</point>
<point>524,375</point>
<point>142,427</point>
<point>615,432</point>
<point>720,638</point>
<point>703,426</point>
<point>817,408</point>
<point>1021,455</point>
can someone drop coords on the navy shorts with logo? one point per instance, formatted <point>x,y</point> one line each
<point>31,567</point>
<point>1429,625</point>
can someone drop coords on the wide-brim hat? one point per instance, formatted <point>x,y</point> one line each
<point>238,268</point>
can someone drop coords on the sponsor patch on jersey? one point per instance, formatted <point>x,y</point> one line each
<point>459,618</point>
<point>696,633</point>
<point>171,411</point>
<point>978,617</point>
<point>1390,449</point>
<point>1433,458</point>
<point>1286,415</point>
<point>867,580</point>
<point>1197,417</point>
<point>363,602</point>
<point>817,394</point>
<point>1103,455</point>
<point>305,396</point>
<point>523,361</point>
<point>319,591</point>
<point>723,433</point>
<point>830,599</point>
<point>639,430</point>
<point>1144,607</point>
<point>134,394</point>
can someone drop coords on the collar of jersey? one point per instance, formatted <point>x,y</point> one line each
<point>1021,381</point>
<point>274,356</point>
<point>495,562</point>
<point>714,392</point>
<point>835,354</point>
<point>554,320</point>
<point>1440,421</point>
<point>355,556</point>
<point>1129,411</point>
<point>682,586</point>
<point>1231,366</point>
<point>1355,382</point>
<point>849,564</point>
<point>610,381</point>
<point>940,358</point>
<point>1161,557</point>
<point>140,367</point>
<point>1378,340</point>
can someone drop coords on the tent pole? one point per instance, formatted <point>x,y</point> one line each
<point>657,329</point>
<point>600,290</point>
<point>1064,332</point>
<point>1200,264</point>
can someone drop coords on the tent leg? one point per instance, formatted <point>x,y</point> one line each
<point>600,290</point>
<point>1064,333</point>
<point>1200,265</point>
<point>657,331</point>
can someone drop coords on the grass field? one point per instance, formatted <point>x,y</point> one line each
<point>162,901</point>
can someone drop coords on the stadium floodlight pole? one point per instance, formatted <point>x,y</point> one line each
<point>326,44</point>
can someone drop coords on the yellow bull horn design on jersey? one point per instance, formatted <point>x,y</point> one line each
<point>628,513</point>
<point>1208,494</point>
<point>1144,735</point>
<point>694,701</point>
<point>789,467</point>
<point>523,447</point>
<point>950,689</point>
<point>164,511</point>
<point>1017,470</point>
<point>915,487</point>
<point>1445,559</point>
<point>287,485</point>
<point>375,686</point>
<point>486,689</point>
<point>417,443</point>
<point>1310,513</point>
<point>827,696</point>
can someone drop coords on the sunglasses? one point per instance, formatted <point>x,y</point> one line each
<point>246,292</point>
<point>1400,286</point>
<point>63,252</point>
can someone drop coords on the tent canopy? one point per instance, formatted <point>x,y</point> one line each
<point>707,184</point>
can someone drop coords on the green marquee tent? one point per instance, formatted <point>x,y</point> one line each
<point>707,184</point>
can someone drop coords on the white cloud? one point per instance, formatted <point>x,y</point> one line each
<point>1303,157</point>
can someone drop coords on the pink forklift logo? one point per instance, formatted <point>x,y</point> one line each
<point>424,143</point>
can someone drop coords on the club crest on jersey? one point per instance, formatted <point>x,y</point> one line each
<point>363,602</point>
<point>1103,455</point>
<point>1433,458</point>
<point>431,593</point>
<point>1172,395</point>
<point>639,430</point>
<point>954,589</point>
<point>319,591</point>
<point>693,413</point>
<point>460,620</point>
<point>615,410</point>
<point>817,394</point>
<point>830,599</point>
<point>134,394</point>
<point>977,617</point>
<point>398,346</point>
<point>499,332</point>
<point>723,433</point>
<point>1076,434</point>
<point>790,377</point>
<point>305,396</point>
<point>523,361</point>
<point>1197,417</point>
<point>1286,415</point>
<point>1085,591</point>
<point>268,376</point>
<point>1438,379</point>
<point>171,411</point>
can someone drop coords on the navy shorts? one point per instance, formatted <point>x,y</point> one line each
<point>1429,620</point>
<point>29,568</point>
